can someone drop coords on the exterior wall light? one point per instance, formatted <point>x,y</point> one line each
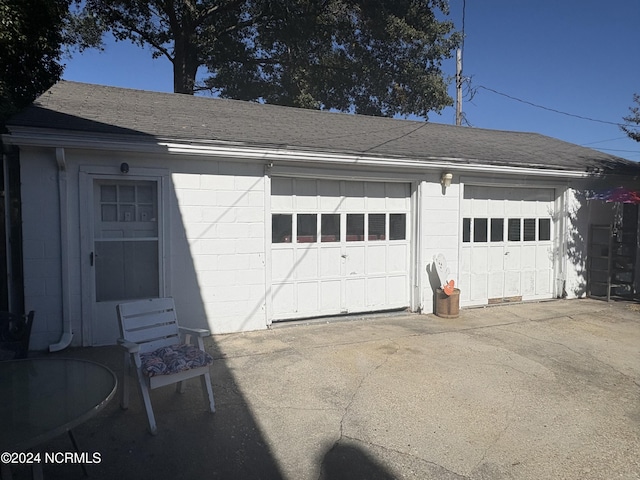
<point>445,180</point>
<point>124,168</point>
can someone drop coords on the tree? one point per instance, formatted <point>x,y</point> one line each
<point>30,48</point>
<point>633,133</point>
<point>379,57</point>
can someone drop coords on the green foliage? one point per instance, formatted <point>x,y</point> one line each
<point>30,41</point>
<point>633,133</point>
<point>377,57</point>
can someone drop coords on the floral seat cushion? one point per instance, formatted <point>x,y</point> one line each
<point>174,359</point>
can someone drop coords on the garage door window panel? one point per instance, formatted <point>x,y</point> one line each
<point>281,228</point>
<point>397,226</point>
<point>377,226</point>
<point>529,231</point>
<point>466,230</point>
<point>497,229</point>
<point>513,234</point>
<point>355,227</point>
<point>307,228</point>
<point>544,229</point>
<point>330,227</point>
<point>480,230</point>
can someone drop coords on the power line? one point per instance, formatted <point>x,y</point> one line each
<point>603,141</point>
<point>548,108</point>
<point>618,150</point>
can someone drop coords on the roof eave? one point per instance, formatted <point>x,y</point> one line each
<point>51,138</point>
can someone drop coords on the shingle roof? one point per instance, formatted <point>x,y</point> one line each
<point>73,106</point>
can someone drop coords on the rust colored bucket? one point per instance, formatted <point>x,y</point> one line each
<point>447,306</point>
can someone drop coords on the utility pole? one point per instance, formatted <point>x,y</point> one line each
<point>458,86</point>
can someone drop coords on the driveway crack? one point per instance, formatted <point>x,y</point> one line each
<point>350,403</point>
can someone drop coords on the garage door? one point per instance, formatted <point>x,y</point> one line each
<point>338,247</point>
<point>507,244</point>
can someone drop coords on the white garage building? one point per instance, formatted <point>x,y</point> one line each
<point>249,214</point>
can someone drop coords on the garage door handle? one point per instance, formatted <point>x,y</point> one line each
<point>507,253</point>
<point>344,256</point>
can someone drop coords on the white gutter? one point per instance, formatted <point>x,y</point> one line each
<point>425,163</point>
<point>67,334</point>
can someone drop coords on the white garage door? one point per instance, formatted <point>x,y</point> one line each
<point>338,247</point>
<point>507,244</point>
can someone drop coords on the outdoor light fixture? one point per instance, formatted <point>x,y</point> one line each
<point>124,168</point>
<point>445,180</point>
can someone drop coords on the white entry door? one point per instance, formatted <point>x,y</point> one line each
<point>125,244</point>
<point>507,251</point>
<point>338,247</point>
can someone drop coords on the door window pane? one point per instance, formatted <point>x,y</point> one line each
<point>466,230</point>
<point>397,226</point>
<point>307,228</point>
<point>377,226</point>
<point>355,227</point>
<point>127,213</point>
<point>513,234</point>
<point>497,229</point>
<point>281,228</point>
<point>109,213</point>
<point>480,229</point>
<point>544,229</point>
<point>129,202</point>
<point>108,193</point>
<point>529,229</point>
<point>126,270</point>
<point>145,194</point>
<point>330,227</point>
<point>127,193</point>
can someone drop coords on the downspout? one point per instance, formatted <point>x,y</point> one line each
<point>67,334</point>
<point>7,230</point>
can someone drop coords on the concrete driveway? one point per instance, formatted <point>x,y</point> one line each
<point>532,391</point>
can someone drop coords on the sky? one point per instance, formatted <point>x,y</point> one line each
<point>563,68</point>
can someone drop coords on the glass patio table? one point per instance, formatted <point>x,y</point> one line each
<point>42,398</point>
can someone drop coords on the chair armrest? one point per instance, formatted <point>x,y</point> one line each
<point>130,346</point>
<point>198,332</point>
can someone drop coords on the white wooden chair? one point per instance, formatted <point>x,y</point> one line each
<point>152,339</point>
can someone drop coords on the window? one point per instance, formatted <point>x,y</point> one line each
<point>330,227</point>
<point>128,203</point>
<point>479,229</point>
<point>307,228</point>
<point>355,227</point>
<point>377,226</point>
<point>518,229</point>
<point>544,229</point>
<point>513,234</point>
<point>529,230</point>
<point>126,248</point>
<point>281,228</point>
<point>466,230</point>
<point>497,229</point>
<point>397,226</point>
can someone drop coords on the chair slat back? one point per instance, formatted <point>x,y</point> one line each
<point>150,323</point>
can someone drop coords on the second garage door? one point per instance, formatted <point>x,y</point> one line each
<point>338,247</point>
<point>507,244</point>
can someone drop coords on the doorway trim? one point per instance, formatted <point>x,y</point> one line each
<point>88,174</point>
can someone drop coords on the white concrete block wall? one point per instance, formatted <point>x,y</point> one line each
<point>41,245</point>
<point>581,213</point>
<point>439,215</point>
<point>218,241</point>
